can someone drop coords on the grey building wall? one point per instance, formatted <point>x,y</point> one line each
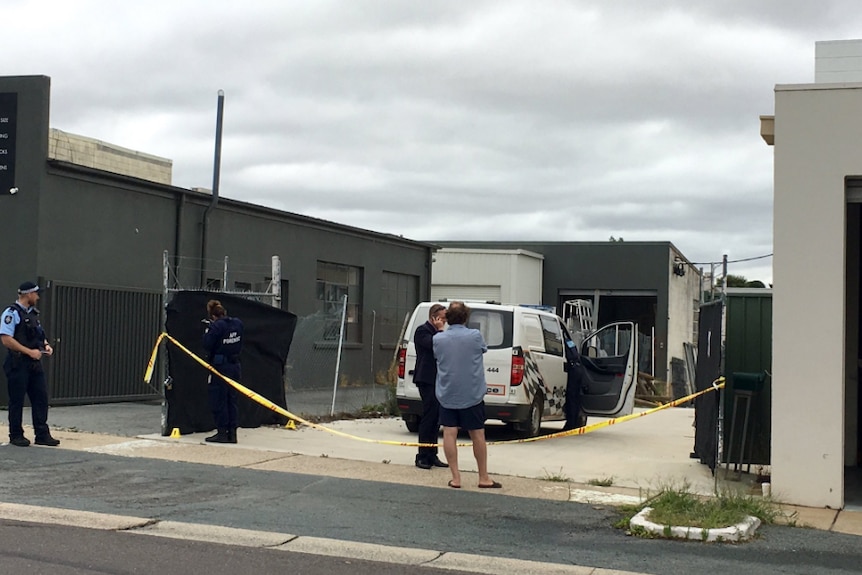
<point>80,226</point>
<point>621,266</point>
<point>20,229</point>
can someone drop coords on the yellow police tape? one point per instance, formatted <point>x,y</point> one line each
<point>717,384</point>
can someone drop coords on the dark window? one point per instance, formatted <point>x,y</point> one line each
<point>334,281</point>
<point>552,335</point>
<point>399,294</point>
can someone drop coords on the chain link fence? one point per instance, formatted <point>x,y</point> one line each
<point>320,382</point>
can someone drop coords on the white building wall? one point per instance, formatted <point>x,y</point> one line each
<point>516,273</point>
<point>817,144</point>
<point>838,61</point>
<point>683,298</point>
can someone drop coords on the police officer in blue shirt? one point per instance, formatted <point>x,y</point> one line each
<point>22,334</point>
<point>223,344</point>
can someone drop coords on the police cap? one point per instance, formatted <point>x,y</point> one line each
<point>28,287</point>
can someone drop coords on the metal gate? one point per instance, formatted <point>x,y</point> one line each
<point>102,338</point>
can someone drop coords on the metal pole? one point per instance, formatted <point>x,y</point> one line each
<point>338,358</point>
<point>162,356</point>
<point>165,274</point>
<point>719,447</point>
<point>224,276</point>
<point>373,381</point>
<point>276,282</point>
<point>214,199</point>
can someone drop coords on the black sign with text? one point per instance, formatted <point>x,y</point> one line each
<point>8,121</point>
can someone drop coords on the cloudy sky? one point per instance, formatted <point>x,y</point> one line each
<point>555,120</point>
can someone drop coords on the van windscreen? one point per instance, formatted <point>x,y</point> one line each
<point>495,325</point>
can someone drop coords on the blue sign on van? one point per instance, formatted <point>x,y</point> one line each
<point>547,308</point>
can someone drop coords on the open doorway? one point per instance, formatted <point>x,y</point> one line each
<point>638,306</point>
<point>853,349</point>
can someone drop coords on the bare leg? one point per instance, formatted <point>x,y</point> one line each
<point>450,439</point>
<point>480,452</point>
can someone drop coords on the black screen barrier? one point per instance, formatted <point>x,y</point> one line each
<point>268,332</point>
<point>708,370</point>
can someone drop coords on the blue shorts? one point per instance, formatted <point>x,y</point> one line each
<point>468,419</point>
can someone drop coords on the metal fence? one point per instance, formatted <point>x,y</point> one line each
<point>102,337</point>
<point>312,385</point>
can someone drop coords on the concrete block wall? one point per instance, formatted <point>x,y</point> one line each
<point>838,61</point>
<point>92,153</point>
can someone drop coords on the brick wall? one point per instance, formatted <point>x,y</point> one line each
<point>108,157</point>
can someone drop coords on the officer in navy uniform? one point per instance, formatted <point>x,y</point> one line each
<point>575,417</point>
<point>22,334</point>
<point>223,344</point>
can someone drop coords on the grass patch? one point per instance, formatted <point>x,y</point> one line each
<point>559,477</point>
<point>678,506</point>
<point>601,482</point>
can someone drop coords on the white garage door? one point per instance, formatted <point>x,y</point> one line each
<point>465,292</point>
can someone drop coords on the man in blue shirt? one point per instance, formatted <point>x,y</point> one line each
<point>461,391</point>
<point>22,334</point>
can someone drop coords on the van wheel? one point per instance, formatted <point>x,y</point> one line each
<point>533,425</point>
<point>412,424</point>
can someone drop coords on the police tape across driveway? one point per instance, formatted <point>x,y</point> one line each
<point>148,375</point>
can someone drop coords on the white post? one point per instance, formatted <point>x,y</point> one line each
<point>338,359</point>
<point>276,282</point>
<point>224,276</point>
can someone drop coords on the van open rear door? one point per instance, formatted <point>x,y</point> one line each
<point>609,358</point>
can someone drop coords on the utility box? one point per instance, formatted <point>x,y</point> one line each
<point>510,276</point>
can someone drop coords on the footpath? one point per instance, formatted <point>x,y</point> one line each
<point>633,459</point>
<point>627,461</point>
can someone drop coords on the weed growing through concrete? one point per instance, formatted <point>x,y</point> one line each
<point>602,482</point>
<point>558,477</point>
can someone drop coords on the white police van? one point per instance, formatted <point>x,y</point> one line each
<point>525,367</point>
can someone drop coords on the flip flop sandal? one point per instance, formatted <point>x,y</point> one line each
<point>452,485</point>
<point>494,485</point>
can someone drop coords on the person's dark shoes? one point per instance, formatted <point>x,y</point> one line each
<point>231,435</point>
<point>47,441</point>
<point>422,463</point>
<point>437,463</point>
<point>20,441</point>
<point>222,436</point>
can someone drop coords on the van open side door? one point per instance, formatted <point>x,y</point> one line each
<point>609,359</point>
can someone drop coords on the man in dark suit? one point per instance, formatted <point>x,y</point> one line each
<point>425,376</point>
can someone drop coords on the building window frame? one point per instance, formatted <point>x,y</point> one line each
<point>334,281</point>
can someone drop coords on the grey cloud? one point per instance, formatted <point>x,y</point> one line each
<point>570,119</point>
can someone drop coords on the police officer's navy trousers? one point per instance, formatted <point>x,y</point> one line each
<point>25,376</point>
<point>223,396</point>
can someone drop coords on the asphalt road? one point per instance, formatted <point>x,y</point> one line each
<point>37,549</point>
<point>397,515</point>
